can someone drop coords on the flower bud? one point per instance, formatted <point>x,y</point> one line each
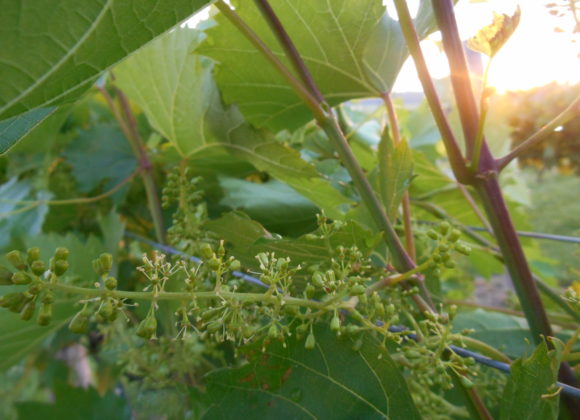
<point>33,254</point>
<point>454,235</point>
<point>317,280</point>
<point>444,228</point>
<point>11,299</point>
<point>60,267</point>
<point>432,234</point>
<point>107,311</point>
<point>45,315</point>
<point>106,260</point>
<point>111,283</point>
<point>309,291</point>
<point>38,267</point>
<point>214,263</point>
<point>335,323</point>
<point>206,252</point>
<point>273,331</point>
<point>5,276</point>
<point>235,265</point>
<point>15,258</point>
<point>310,342</point>
<point>21,277</point>
<point>61,253</point>
<point>214,326</point>
<point>80,322</point>
<point>148,327</point>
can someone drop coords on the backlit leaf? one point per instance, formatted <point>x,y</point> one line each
<point>492,37</point>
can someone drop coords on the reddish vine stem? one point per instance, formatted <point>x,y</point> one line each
<point>487,185</point>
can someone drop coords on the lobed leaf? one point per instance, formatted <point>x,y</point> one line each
<point>330,381</point>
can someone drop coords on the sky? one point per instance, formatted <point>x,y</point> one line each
<point>534,56</point>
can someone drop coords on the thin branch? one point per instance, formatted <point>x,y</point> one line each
<point>310,101</point>
<point>412,39</point>
<point>288,46</point>
<point>128,124</point>
<point>566,115</point>
<point>475,207</point>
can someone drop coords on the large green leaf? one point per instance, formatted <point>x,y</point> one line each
<point>100,153</point>
<point>15,128</point>
<point>332,381</point>
<point>53,50</point>
<point>395,172</point>
<point>167,81</point>
<point>330,36</point>
<point>76,404</point>
<point>248,238</point>
<point>182,101</point>
<point>274,204</point>
<point>531,392</point>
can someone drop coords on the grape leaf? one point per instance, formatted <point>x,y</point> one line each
<point>15,128</point>
<point>248,238</point>
<point>53,50</point>
<point>395,172</point>
<point>531,392</point>
<point>332,381</point>
<point>182,101</point>
<point>492,37</point>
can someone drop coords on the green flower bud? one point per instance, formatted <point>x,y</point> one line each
<point>463,249</point>
<point>61,253</point>
<point>11,299</point>
<point>5,276</point>
<point>432,234</point>
<point>273,331</point>
<point>98,267</point>
<point>28,311</point>
<point>317,280</point>
<point>33,254</point>
<point>309,291</point>
<point>60,267</point>
<point>15,258</point>
<point>35,288</point>
<point>357,290</point>
<point>330,276</point>
<point>235,265</point>
<point>21,277</point>
<point>301,330</point>
<point>444,228</point>
<point>148,327</point>
<point>106,260</point>
<point>263,259</point>
<point>450,264</point>
<point>206,252</point>
<point>38,267</point>
<point>45,315</point>
<point>310,342</point>
<point>214,263</point>
<point>335,323</point>
<point>107,311</point>
<point>80,322</point>
<point>111,283</point>
<point>454,235</point>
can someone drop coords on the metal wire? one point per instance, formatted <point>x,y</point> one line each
<point>503,367</point>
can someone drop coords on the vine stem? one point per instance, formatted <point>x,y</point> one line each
<point>182,296</point>
<point>487,185</point>
<point>128,124</point>
<point>406,202</point>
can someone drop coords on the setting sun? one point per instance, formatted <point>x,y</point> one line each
<point>534,56</point>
